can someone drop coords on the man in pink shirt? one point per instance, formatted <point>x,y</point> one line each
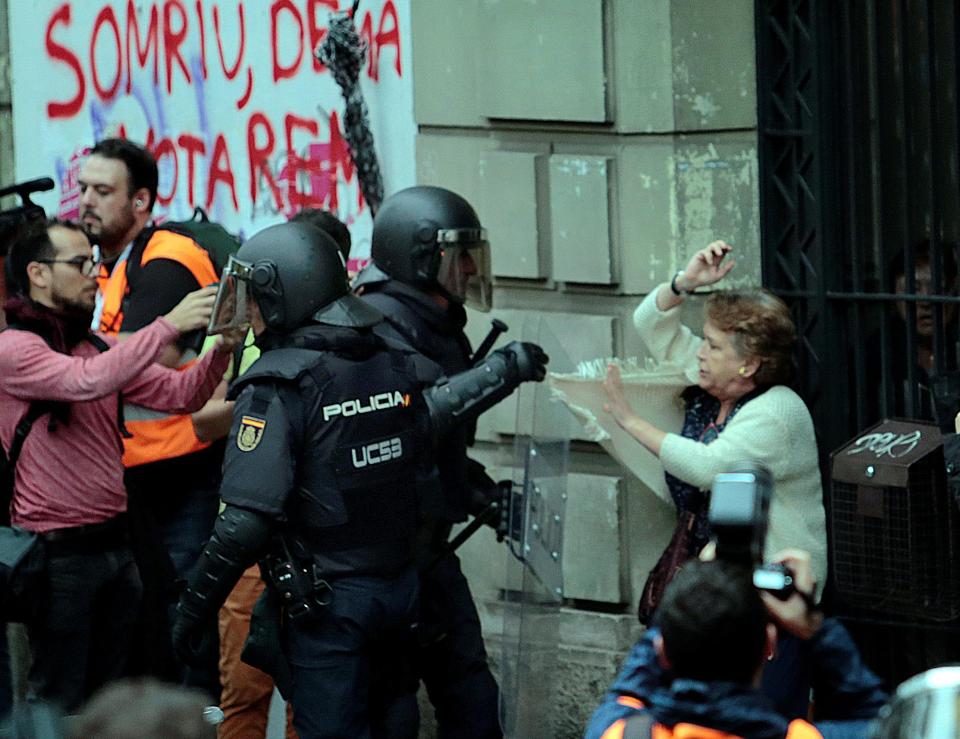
<point>69,476</point>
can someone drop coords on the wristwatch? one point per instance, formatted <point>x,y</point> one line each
<point>673,285</point>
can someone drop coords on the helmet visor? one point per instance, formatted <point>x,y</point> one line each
<point>230,307</point>
<point>464,270</point>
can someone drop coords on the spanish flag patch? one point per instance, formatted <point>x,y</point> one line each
<point>250,433</point>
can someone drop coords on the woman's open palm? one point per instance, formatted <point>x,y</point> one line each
<point>618,406</point>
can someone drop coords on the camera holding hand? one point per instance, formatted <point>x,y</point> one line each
<point>739,516</point>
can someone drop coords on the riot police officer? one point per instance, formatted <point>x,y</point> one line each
<point>430,256</point>
<point>330,443</point>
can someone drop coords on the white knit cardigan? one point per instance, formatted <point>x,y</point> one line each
<point>774,429</point>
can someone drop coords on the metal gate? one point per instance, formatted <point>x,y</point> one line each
<point>860,202</point>
<point>860,216</point>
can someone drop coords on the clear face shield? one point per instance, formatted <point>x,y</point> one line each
<point>230,307</point>
<point>465,266</point>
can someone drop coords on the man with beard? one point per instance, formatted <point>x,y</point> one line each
<point>69,477</point>
<point>173,464</point>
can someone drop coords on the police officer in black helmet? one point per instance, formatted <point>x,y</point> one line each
<point>331,442</point>
<point>430,257</point>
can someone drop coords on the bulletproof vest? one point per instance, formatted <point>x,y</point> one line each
<point>359,433</point>
<point>410,317</point>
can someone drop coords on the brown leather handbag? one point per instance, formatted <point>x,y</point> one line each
<point>670,562</point>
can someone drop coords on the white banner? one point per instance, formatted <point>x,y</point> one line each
<point>226,94</point>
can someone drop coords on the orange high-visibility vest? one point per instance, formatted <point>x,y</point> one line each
<point>156,435</point>
<point>621,729</point>
<point>798,729</point>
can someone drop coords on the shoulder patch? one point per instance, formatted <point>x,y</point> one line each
<point>250,432</point>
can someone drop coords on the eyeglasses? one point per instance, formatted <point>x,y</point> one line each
<point>87,265</point>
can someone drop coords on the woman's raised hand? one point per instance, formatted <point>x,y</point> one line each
<point>618,406</point>
<point>707,266</point>
<point>643,431</point>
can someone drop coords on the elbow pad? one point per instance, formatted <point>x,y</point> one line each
<point>463,397</point>
<point>239,539</point>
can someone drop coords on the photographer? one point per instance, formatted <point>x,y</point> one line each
<point>701,664</point>
<point>68,486</point>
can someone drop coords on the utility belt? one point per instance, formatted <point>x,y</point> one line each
<point>296,580</point>
<point>90,538</point>
<point>296,590</point>
<point>301,574</point>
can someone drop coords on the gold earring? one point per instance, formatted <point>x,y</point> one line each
<point>743,371</point>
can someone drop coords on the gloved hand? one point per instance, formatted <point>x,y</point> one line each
<point>189,636</point>
<point>507,518</point>
<point>530,360</point>
<point>481,487</point>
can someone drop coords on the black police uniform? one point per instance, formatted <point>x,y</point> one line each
<point>451,660</point>
<point>328,429</point>
<point>329,451</point>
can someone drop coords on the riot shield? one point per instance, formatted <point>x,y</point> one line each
<point>534,579</point>
<point>652,386</point>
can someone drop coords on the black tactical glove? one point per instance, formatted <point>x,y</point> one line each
<point>507,521</point>
<point>189,636</point>
<point>529,359</point>
<point>461,398</point>
<point>239,538</point>
<point>482,488</point>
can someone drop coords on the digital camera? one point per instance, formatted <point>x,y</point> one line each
<point>739,514</point>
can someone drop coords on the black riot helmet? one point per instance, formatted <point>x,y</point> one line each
<point>431,238</point>
<point>295,274</point>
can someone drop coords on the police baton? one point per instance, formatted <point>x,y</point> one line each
<point>497,327</point>
<point>488,514</point>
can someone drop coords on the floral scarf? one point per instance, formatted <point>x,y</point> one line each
<point>699,423</point>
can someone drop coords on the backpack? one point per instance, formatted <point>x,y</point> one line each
<point>219,243</point>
